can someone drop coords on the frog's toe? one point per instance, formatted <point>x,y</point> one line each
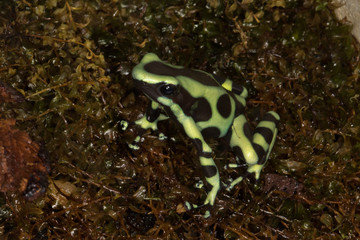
<point>162,136</point>
<point>230,186</point>
<point>133,146</point>
<point>189,206</point>
<point>124,125</point>
<point>199,184</point>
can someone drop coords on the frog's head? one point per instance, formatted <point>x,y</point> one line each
<point>155,78</point>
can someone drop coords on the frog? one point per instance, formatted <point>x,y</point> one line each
<point>206,106</point>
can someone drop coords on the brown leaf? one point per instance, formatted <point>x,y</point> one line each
<point>21,168</point>
<point>282,183</point>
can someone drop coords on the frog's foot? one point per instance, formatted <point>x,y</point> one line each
<point>199,184</point>
<point>209,201</point>
<point>162,136</point>
<point>189,206</point>
<point>233,183</point>
<point>124,125</point>
<point>135,144</point>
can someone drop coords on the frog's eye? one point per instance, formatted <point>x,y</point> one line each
<point>168,89</point>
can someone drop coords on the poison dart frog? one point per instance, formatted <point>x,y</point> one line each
<point>206,106</point>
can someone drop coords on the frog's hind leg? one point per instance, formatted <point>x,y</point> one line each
<point>264,139</point>
<point>255,147</point>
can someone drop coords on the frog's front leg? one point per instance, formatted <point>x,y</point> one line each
<point>205,156</point>
<point>253,148</point>
<point>149,121</point>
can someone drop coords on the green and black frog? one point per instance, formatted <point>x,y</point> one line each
<point>206,106</point>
